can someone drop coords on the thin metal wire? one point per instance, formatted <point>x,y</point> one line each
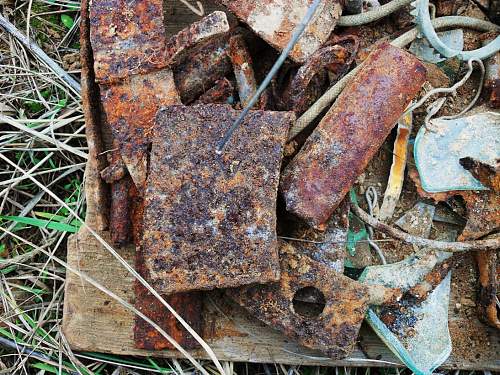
<point>297,33</point>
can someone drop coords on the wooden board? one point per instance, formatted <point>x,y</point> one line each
<point>94,322</point>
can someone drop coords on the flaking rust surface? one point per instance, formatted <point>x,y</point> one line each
<point>210,219</point>
<point>275,20</point>
<point>339,149</point>
<point>335,330</point>
<point>130,108</point>
<point>127,36</point>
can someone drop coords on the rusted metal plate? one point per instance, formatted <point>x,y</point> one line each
<point>119,218</point>
<point>130,108</point>
<point>488,310</point>
<point>210,218</point>
<point>332,330</point>
<point>222,92</point>
<point>275,20</point>
<point>128,37</point>
<point>243,70</point>
<point>195,75</point>
<point>337,152</point>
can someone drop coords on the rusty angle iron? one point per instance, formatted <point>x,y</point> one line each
<point>242,68</point>
<point>333,330</point>
<point>210,219</point>
<point>275,20</point>
<point>339,149</point>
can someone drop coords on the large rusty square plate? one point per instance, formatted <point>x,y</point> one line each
<point>210,219</point>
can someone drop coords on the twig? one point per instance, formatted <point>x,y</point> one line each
<point>491,244</point>
<point>284,54</point>
<point>38,52</point>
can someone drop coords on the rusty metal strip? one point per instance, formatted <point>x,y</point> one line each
<point>275,20</point>
<point>243,70</point>
<point>333,329</point>
<point>320,175</point>
<point>130,108</point>
<point>219,229</point>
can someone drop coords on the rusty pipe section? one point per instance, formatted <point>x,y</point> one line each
<point>339,149</point>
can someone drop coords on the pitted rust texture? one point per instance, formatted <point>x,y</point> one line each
<point>335,330</point>
<point>326,247</point>
<point>130,108</point>
<point>128,37</point>
<point>311,79</point>
<point>221,93</point>
<point>488,311</point>
<point>209,218</point>
<point>275,20</point>
<point>242,68</point>
<point>187,305</point>
<point>483,214</point>
<point>492,74</point>
<point>196,74</point>
<point>337,152</point>
<point>116,168</point>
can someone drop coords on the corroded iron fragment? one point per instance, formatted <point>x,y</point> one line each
<point>128,37</point>
<point>222,92</point>
<point>275,20</point>
<point>196,74</point>
<point>492,75</point>
<point>337,152</point>
<point>483,214</point>
<point>242,67</point>
<point>487,174</point>
<point>488,310</point>
<point>210,218</point>
<point>332,330</point>
<point>130,108</point>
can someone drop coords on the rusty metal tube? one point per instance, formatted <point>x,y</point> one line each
<point>339,149</point>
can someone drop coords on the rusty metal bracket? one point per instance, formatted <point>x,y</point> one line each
<point>330,324</point>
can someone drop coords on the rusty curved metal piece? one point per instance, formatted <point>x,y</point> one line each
<point>339,149</point>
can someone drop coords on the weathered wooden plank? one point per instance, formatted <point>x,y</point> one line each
<point>94,322</point>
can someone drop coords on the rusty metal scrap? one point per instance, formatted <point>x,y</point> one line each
<point>334,329</point>
<point>130,108</point>
<point>275,20</point>
<point>219,230</point>
<point>196,74</point>
<point>492,75</point>
<point>488,309</point>
<point>311,79</point>
<point>483,214</point>
<point>221,93</point>
<point>338,150</point>
<point>243,70</point>
<point>119,218</point>
<point>187,305</point>
<point>128,37</point>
